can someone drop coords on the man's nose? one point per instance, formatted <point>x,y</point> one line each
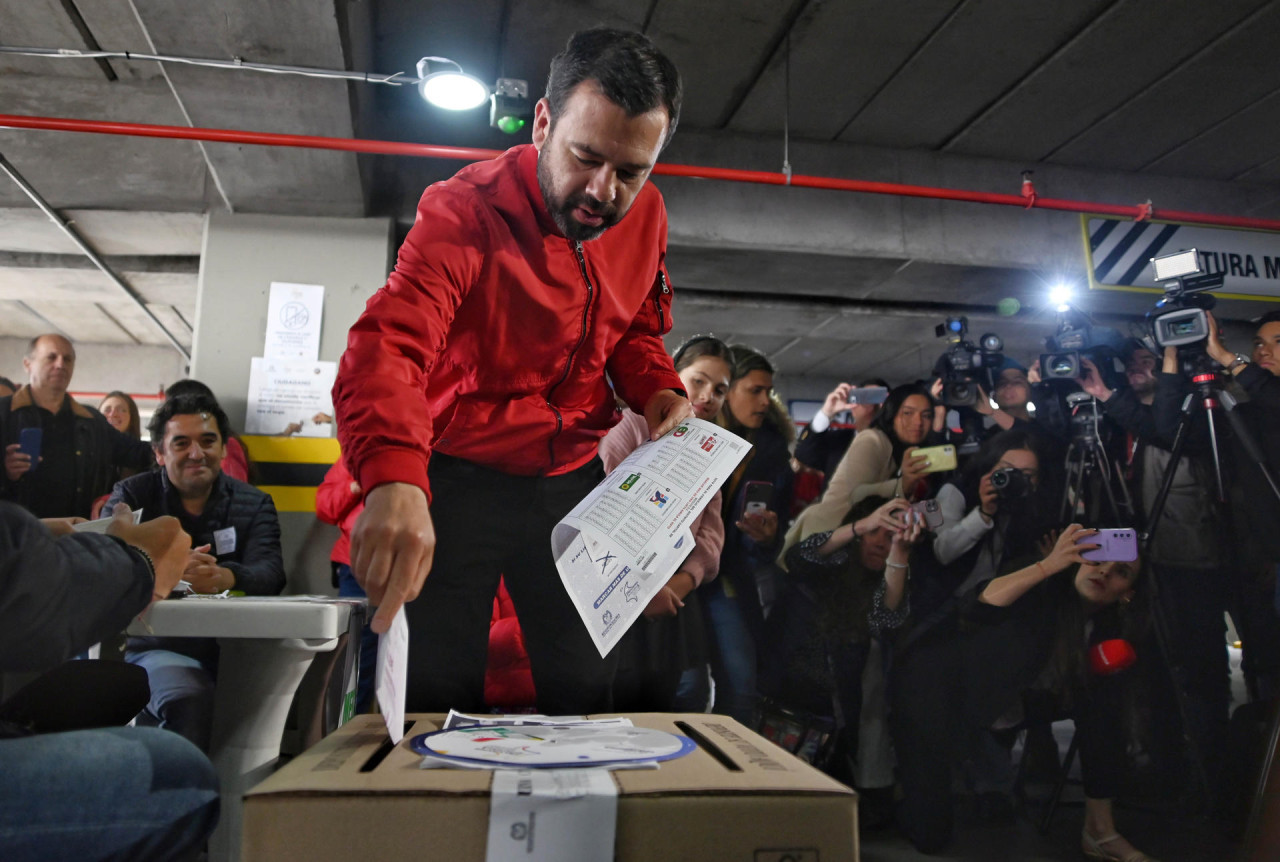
<point>603,185</point>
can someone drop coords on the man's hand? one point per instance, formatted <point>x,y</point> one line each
<point>61,526</point>
<point>204,574</point>
<point>162,539</point>
<point>670,599</point>
<point>837,400</point>
<point>1214,346</point>
<point>666,409</point>
<point>16,463</point>
<point>1091,380</point>
<point>393,545</point>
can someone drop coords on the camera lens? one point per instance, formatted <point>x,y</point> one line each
<point>1061,366</point>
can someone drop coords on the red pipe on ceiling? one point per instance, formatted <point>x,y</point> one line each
<point>1137,212</point>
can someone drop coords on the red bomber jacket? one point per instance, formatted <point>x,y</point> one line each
<point>493,336</point>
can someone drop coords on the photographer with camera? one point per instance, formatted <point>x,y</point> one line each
<point>1187,549</point>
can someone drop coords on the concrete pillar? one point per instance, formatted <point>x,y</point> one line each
<point>242,255</point>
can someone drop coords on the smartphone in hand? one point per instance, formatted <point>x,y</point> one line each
<point>941,458</point>
<point>868,395</point>
<point>756,497</point>
<point>930,512</point>
<point>29,441</point>
<point>1117,545</point>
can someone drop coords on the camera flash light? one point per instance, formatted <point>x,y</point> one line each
<point>1176,265</point>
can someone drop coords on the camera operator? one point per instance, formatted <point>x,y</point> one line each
<point>1186,552</point>
<point>1259,376</point>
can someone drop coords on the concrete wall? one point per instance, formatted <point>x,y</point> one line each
<point>242,255</point>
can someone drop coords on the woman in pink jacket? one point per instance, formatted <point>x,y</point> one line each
<point>669,640</point>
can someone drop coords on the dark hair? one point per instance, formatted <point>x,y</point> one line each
<point>188,386</point>
<point>699,346</point>
<point>889,412</point>
<point>747,359</point>
<point>1269,317</point>
<point>5,381</point>
<point>1066,672</point>
<point>186,405</point>
<point>135,421</point>
<point>1020,525</point>
<point>631,71</point>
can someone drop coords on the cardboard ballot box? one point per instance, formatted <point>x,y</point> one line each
<point>737,797</point>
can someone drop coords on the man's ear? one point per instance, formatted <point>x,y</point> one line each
<point>541,123</point>
<point>159,456</point>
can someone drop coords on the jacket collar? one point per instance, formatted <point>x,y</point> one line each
<point>174,500</point>
<point>24,398</point>
<point>527,169</point>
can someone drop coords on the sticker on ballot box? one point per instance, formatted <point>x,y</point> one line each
<point>552,746</point>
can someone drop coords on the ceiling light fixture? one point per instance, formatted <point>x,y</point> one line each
<point>509,108</point>
<point>442,82</point>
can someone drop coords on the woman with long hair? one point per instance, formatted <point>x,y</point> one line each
<point>122,412</point>
<point>849,585</point>
<point>731,604</point>
<point>657,650</point>
<point>1050,639</point>
<point>879,462</point>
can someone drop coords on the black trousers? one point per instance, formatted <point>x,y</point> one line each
<point>490,524</point>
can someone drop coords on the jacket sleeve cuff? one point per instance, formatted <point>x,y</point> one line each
<point>394,465</point>
<point>644,390</point>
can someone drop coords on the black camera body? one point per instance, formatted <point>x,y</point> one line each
<point>1179,319</point>
<point>1075,338</point>
<point>966,366</point>
<point>1010,483</point>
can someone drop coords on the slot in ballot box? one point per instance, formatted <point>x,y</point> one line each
<point>736,798</point>
<point>266,644</point>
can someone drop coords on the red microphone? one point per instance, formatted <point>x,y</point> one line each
<point>1111,656</point>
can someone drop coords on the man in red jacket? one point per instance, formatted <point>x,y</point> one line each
<point>477,382</point>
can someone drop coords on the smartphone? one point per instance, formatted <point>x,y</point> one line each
<point>930,512</point>
<point>29,444</point>
<point>940,457</point>
<point>1120,545</point>
<point>757,496</point>
<point>868,395</point>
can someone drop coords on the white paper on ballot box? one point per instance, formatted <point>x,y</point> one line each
<point>621,544</point>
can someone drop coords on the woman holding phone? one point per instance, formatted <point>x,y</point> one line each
<point>669,640</point>
<point>1048,640</point>
<point>881,461</point>
<point>731,604</point>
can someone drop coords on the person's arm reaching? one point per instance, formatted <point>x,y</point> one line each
<point>60,595</point>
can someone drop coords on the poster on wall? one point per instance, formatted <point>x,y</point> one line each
<point>294,313</point>
<point>292,398</point>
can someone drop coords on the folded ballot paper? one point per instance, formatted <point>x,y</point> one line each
<point>101,524</point>
<point>621,544</point>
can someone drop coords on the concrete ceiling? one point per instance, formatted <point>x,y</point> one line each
<point>1127,94</point>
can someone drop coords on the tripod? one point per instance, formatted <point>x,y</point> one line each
<point>1091,477</point>
<point>1207,398</point>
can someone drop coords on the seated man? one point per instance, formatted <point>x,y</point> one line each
<point>236,535</point>
<point>111,793</point>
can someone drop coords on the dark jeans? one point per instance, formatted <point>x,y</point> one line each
<point>1194,603</point>
<point>119,793</point>
<point>488,525</point>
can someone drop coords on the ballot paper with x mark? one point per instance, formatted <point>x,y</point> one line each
<point>620,545</point>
